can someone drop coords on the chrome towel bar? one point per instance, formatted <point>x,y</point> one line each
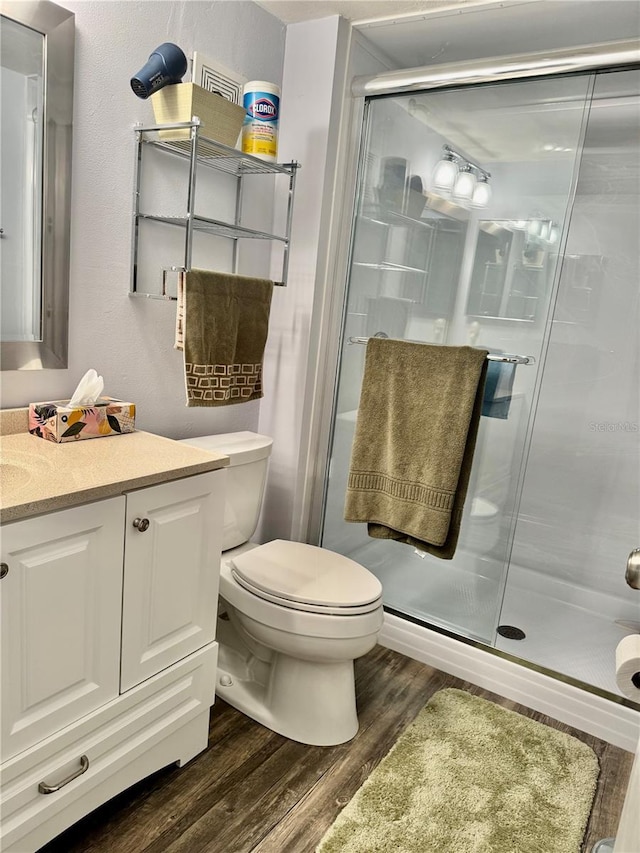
<point>503,357</point>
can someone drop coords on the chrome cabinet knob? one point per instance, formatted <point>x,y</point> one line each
<point>141,524</point>
<point>632,575</point>
<point>4,570</point>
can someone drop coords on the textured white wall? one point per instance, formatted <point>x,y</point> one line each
<point>311,101</point>
<point>130,341</point>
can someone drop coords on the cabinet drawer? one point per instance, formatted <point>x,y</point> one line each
<point>160,722</point>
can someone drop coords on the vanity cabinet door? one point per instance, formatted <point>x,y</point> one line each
<point>60,601</point>
<point>171,573</point>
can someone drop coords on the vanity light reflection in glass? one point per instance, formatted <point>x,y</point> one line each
<point>481,193</point>
<point>465,184</point>
<point>445,173</point>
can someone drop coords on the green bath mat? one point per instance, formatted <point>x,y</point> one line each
<point>468,776</point>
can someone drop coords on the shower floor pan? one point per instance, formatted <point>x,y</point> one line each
<point>464,597</point>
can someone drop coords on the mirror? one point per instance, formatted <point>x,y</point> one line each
<point>36,101</point>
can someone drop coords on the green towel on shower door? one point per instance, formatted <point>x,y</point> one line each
<point>414,441</point>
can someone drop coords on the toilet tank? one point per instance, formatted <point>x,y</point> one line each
<point>248,455</point>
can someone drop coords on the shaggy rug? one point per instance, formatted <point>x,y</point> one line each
<point>468,776</point>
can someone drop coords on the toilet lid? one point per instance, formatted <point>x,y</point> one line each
<point>307,577</point>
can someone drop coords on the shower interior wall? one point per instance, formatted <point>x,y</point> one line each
<point>588,411</point>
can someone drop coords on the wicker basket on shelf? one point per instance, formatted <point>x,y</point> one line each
<point>221,119</point>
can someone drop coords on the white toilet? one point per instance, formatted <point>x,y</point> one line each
<point>292,617</point>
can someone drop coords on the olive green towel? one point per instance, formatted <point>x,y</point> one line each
<point>224,329</point>
<point>415,436</point>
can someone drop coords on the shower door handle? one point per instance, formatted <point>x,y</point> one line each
<point>632,575</point>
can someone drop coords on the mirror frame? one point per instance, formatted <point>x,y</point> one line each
<point>57,25</point>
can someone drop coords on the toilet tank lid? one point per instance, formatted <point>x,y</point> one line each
<point>240,447</point>
<point>308,574</point>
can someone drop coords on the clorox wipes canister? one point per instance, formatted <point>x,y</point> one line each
<point>260,129</point>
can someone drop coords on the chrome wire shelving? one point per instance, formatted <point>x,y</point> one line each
<point>199,152</point>
<point>214,226</point>
<point>211,153</point>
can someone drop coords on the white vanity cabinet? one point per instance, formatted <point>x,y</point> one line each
<point>169,584</point>
<point>108,649</point>
<point>61,599</point>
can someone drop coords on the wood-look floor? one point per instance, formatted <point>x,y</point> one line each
<point>253,790</point>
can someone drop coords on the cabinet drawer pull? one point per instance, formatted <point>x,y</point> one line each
<point>141,524</point>
<point>43,788</point>
<point>4,570</point>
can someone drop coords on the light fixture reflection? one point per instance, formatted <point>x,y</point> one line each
<point>445,173</point>
<point>481,193</point>
<point>540,229</point>
<point>465,180</point>
<point>465,184</point>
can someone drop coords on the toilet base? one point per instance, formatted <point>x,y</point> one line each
<point>311,702</point>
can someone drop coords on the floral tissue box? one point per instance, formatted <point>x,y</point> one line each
<point>55,421</point>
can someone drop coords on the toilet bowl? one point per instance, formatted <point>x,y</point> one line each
<point>292,617</point>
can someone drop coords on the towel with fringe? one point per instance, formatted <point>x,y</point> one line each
<point>222,321</point>
<point>414,441</point>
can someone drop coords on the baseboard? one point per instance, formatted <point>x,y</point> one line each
<point>592,714</point>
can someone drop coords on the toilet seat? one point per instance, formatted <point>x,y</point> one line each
<point>304,577</point>
<point>351,610</point>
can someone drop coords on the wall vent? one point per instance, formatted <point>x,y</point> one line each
<point>214,77</point>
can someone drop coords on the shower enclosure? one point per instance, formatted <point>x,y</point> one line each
<point>506,216</point>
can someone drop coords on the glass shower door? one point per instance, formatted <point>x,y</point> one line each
<point>448,265</point>
<point>579,515</point>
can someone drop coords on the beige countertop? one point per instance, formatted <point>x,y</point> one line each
<point>39,476</point>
